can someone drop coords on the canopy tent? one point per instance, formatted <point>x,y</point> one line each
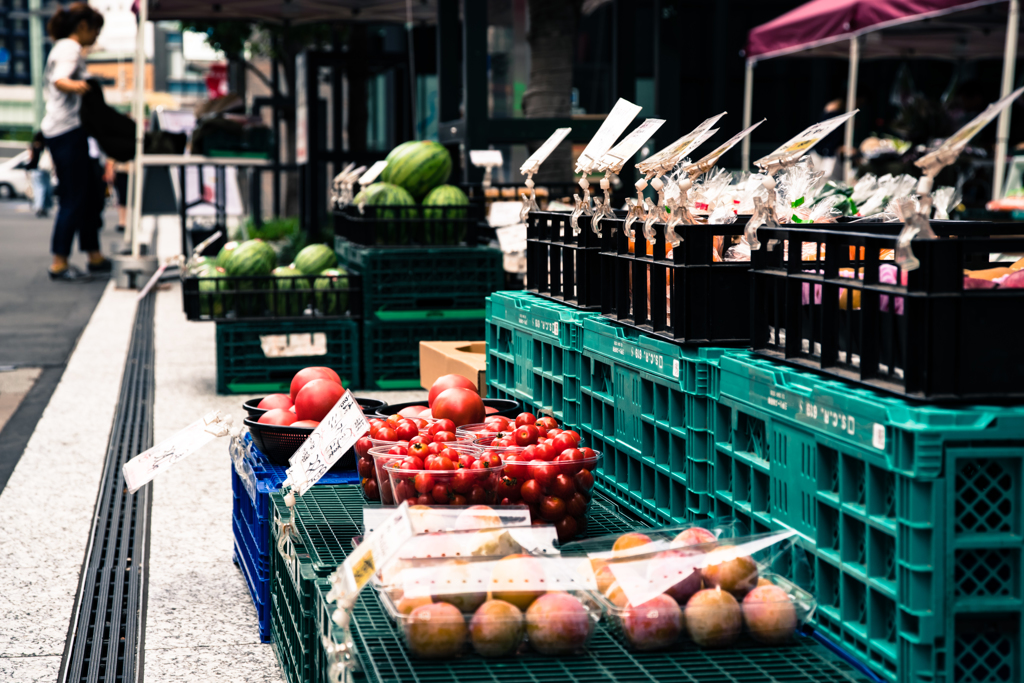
<point>879,29</point>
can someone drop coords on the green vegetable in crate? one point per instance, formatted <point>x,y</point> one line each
<point>289,303</point>
<point>255,257</point>
<point>327,301</point>
<point>392,225</point>
<point>396,152</point>
<point>224,255</point>
<point>419,167</point>
<point>449,232</point>
<point>200,264</point>
<point>315,258</point>
<point>210,301</point>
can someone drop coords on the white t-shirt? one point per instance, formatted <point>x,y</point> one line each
<point>65,61</point>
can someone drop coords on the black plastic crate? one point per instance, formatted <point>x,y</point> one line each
<point>560,265</point>
<point>918,334</point>
<point>269,297</point>
<point>411,226</point>
<point>685,297</point>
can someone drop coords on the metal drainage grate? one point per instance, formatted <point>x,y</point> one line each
<point>105,637</point>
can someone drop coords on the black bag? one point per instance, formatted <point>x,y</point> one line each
<point>114,131</point>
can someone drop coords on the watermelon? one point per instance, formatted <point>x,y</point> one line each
<point>331,304</point>
<point>210,302</point>
<point>385,197</point>
<point>254,257</point>
<point>289,303</point>
<point>419,167</point>
<point>315,258</point>
<point>200,264</point>
<point>394,154</point>
<point>224,255</point>
<point>453,232</point>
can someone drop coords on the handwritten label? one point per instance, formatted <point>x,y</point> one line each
<point>373,172</point>
<point>337,433</point>
<point>145,466</point>
<point>795,148</point>
<point>532,165</point>
<point>614,158</point>
<point>666,159</point>
<point>621,114</point>
<point>708,162</point>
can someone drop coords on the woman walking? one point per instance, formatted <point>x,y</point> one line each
<point>81,206</point>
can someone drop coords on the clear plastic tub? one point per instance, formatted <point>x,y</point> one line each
<point>370,478</point>
<point>478,481</point>
<point>557,492</point>
<point>660,587</point>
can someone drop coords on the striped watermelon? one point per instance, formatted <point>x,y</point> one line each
<point>224,255</point>
<point>331,303</point>
<point>254,257</point>
<point>289,303</point>
<point>419,167</point>
<point>453,232</point>
<point>212,303</point>
<point>392,225</point>
<point>314,258</point>
<point>394,154</point>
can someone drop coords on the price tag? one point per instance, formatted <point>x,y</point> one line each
<point>708,162</point>
<point>614,158</point>
<point>621,114</point>
<point>532,165</point>
<point>144,467</point>
<point>666,159</point>
<point>800,145</point>
<point>486,157</point>
<point>373,172</point>
<point>949,150</point>
<point>378,546</point>
<point>337,433</point>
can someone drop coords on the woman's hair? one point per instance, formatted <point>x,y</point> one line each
<point>65,21</point>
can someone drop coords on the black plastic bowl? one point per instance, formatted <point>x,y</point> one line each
<point>506,407</point>
<point>279,443</point>
<point>370,406</point>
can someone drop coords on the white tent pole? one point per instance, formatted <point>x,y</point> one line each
<point>748,95</point>
<point>140,126</point>
<point>1003,131</point>
<point>851,104</point>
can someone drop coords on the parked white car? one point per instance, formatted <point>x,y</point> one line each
<point>14,180</point>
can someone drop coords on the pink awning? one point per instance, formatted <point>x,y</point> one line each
<point>819,25</point>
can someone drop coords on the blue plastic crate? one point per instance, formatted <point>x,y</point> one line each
<point>253,478</point>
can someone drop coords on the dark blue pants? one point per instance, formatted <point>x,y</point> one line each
<point>81,194</point>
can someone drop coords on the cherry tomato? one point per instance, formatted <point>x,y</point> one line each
<point>424,482</point>
<point>405,489</point>
<point>496,423</point>
<point>552,509</point>
<point>376,423</point>
<point>562,442</point>
<point>477,495</point>
<point>441,494</point>
<point>443,437</point>
<point>459,499</point>
<point>478,465</point>
<point>420,450</point>
<point>544,473</point>
<point>466,461</point>
<point>398,450</point>
<point>552,433</point>
<point>463,481</point>
<point>514,468</point>
<point>530,453</point>
<point>523,419</point>
<point>490,460</point>
<point>527,435</point>
<point>547,422</point>
<point>395,420</point>
<point>584,481</point>
<point>365,467</point>
<point>507,488</point>
<point>577,505</point>
<point>386,496</point>
<point>575,437</point>
<point>545,452</point>
<point>563,487</point>
<point>370,489</point>
<point>407,430</point>
<point>442,462</point>
<point>566,528</point>
<point>531,492</point>
<point>435,448</point>
<point>573,461</point>
<point>411,462</point>
<point>442,425</point>
<point>386,434</point>
<point>424,499</point>
<point>363,446</point>
<point>418,439</point>
<point>542,434</point>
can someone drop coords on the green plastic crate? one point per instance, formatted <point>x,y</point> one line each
<point>535,352</point>
<point>384,659</point>
<point>244,368</point>
<point>391,350</point>
<point>912,517</point>
<point>649,406</point>
<point>405,284</point>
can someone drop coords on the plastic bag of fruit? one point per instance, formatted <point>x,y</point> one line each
<point>660,587</point>
<point>492,606</point>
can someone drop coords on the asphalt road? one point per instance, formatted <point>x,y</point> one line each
<point>40,320</point>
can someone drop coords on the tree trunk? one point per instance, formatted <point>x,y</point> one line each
<point>552,38</point>
<point>288,52</point>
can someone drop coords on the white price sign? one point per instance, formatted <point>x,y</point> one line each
<point>705,164</point>
<point>621,114</point>
<point>372,173</point>
<point>532,165</point>
<point>946,154</point>
<point>666,159</point>
<point>800,145</point>
<point>486,157</point>
<point>144,467</point>
<point>614,158</point>
<point>337,433</point>
<point>378,546</point>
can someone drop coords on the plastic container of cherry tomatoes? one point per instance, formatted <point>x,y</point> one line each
<point>557,491</point>
<point>397,453</point>
<point>479,484</point>
<point>370,480</point>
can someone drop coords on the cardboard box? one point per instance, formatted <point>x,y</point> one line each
<point>439,358</point>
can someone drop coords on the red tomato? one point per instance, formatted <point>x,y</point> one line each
<point>562,442</point>
<point>575,437</point>
<point>490,459</point>
<point>552,433</point>
<point>363,446</point>
<point>442,462</point>
<point>563,487</point>
<point>376,423</point>
<point>459,499</point>
<point>545,452</point>
<point>530,453</point>
<point>370,489</point>
<point>577,505</point>
<point>435,448</point>
<point>463,481</point>
<point>507,488</point>
<point>398,449</point>
<point>404,490</point>
<point>527,435</point>
<point>306,424</point>
<point>461,406</point>
<point>444,437</point>
<point>424,482</point>
<point>566,528</point>
<point>478,495</point>
<point>441,426</point>
<point>419,449</point>
<point>427,460</point>
<point>394,420</point>
<point>411,462</point>
<point>547,422</point>
<point>514,469</point>
<point>466,461</point>
<point>478,465</point>
<point>365,467</point>
<point>544,473</point>
<point>277,416</point>
<point>552,509</point>
<point>573,459</point>
<point>423,499</point>
<point>584,481</point>
<point>282,401</point>
<point>407,431</point>
<point>306,375</point>
<point>445,382</point>
<point>542,434</point>
<point>497,423</point>
<point>531,492</point>
<point>411,411</point>
<point>386,434</point>
<point>441,494</point>
<point>523,419</point>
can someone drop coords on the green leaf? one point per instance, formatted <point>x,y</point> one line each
<point>798,202</point>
